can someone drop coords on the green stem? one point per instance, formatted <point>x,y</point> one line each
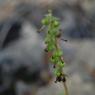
<point>65,89</point>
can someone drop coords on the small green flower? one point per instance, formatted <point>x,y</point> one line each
<point>45,22</point>
<point>56,24</point>
<point>61,64</point>
<point>57,73</point>
<point>60,53</point>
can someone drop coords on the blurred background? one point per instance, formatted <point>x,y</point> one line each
<point>78,27</point>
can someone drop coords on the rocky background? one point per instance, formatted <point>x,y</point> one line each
<point>78,25</point>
